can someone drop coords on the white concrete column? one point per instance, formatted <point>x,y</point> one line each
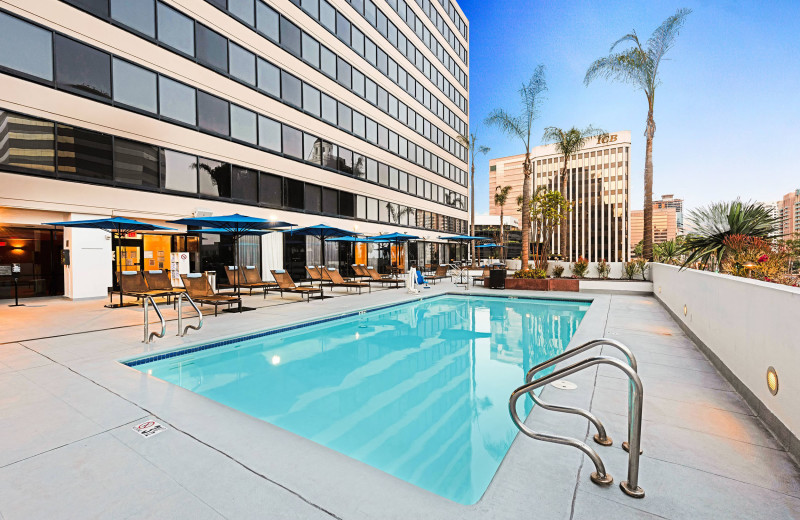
<point>90,272</point>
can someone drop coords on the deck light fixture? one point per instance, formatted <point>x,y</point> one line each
<point>772,380</point>
<point>685,310</point>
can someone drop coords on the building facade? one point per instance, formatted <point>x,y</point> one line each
<point>665,226</point>
<point>669,201</point>
<point>788,210</point>
<point>598,183</point>
<point>488,226</point>
<point>342,112</point>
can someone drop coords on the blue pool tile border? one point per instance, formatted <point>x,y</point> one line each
<point>278,330</point>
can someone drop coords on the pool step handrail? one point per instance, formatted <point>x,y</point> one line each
<point>148,336</point>
<point>630,486</point>
<point>181,329</point>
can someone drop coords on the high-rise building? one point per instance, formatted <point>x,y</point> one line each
<point>342,112</point>
<point>597,185</point>
<point>789,213</point>
<point>665,225</point>
<point>669,201</point>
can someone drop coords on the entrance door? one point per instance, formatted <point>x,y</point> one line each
<point>294,256</point>
<point>38,253</point>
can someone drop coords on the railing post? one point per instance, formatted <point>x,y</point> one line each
<point>146,321</point>
<point>180,314</point>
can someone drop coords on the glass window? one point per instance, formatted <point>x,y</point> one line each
<point>290,37</point>
<point>383,211</point>
<point>347,204</point>
<point>327,62</point>
<point>84,153</point>
<point>268,21</point>
<point>312,149</point>
<point>370,50</point>
<point>269,134</point>
<point>243,64</point>
<point>383,65</point>
<point>329,109</point>
<point>345,161</point>
<point>383,174</point>
<point>292,142</point>
<point>243,124</point>
<point>342,28</point>
<point>412,185</point>
<point>383,99</point>
<point>212,113</point>
<point>311,102</point>
<point>393,178</point>
<point>370,12</point>
<point>393,142</point>
<point>27,144</point>
<point>25,47</point>
<point>293,193</point>
<point>372,91</point>
<point>244,184</point>
<point>403,178</point>
<point>372,209</point>
<point>330,201</point>
<point>313,198</point>
<point>381,22</point>
<point>177,101</point>
<point>135,86</point>
<point>175,29</point>
<point>215,178</point>
<point>344,73</point>
<point>357,41</point>
<point>98,7</point>
<point>136,14</point>
<point>359,124</point>
<point>327,15</point>
<point>135,163</point>
<point>269,78</point>
<point>311,7</point>
<point>372,131</point>
<point>244,9</point>
<point>383,136</point>
<point>345,117</point>
<point>372,170</point>
<point>310,50</point>
<point>291,90</point>
<point>212,48</point>
<point>271,189</point>
<point>358,83</point>
<point>361,207</point>
<point>359,166</point>
<point>82,69</point>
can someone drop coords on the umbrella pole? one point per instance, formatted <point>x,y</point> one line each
<point>237,266</point>
<point>118,254</point>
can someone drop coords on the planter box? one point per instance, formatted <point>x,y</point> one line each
<point>527,284</point>
<point>564,284</point>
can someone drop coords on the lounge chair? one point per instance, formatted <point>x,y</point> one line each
<point>360,270</point>
<point>199,289</point>
<point>132,284</point>
<point>254,283</point>
<point>313,274</point>
<point>253,278</point>
<point>374,277</point>
<point>286,284</point>
<point>440,274</point>
<point>332,276</point>
<point>482,277</point>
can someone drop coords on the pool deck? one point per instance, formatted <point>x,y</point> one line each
<point>68,448</point>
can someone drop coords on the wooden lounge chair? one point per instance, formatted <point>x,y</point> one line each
<point>199,289</point>
<point>286,284</point>
<point>360,271</point>
<point>374,277</point>
<point>440,274</point>
<point>159,280</point>
<point>255,281</point>
<point>482,277</point>
<point>313,274</point>
<point>332,276</point>
<point>132,284</point>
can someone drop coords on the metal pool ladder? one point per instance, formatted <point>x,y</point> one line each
<point>181,329</point>
<point>635,395</point>
<point>148,336</point>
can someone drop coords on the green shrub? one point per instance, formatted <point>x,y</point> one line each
<point>558,271</point>
<point>580,267</point>
<point>603,269</point>
<point>531,273</point>
<point>630,269</point>
<point>641,267</point>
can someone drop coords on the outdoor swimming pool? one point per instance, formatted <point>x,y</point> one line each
<point>419,390</point>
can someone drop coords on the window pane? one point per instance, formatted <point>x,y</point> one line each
<point>136,14</point>
<point>347,204</point>
<point>330,155</point>
<point>359,124</point>
<point>243,9</point>
<point>345,161</point>
<point>177,101</point>
<point>269,78</point>
<point>291,89</point>
<point>372,209</point>
<point>372,131</point>
<point>383,211</point>
<point>135,163</point>
<point>85,153</point>
<point>25,47</point>
<point>361,207</point>
<point>175,29</point>
<point>370,50</point>
<point>292,142</point>
<point>290,37</point>
<point>180,171</point>
<point>328,62</point>
<point>342,28</point>
<point>344,73</point>
<point>393,178</point>
<point>383,174</point>
<point>267,21</point>
<point>383,136</point>
<point>383,99</point>
<point>311,102</point>
<point>372,170</point>
<point>359,166</point>
<point>26,144</point>
<point>215,178</point>
<point>244,184</point>
<point>293,193</point>
<point>313,198</point>
<point>212,48</point>
<point>243,64</point>
<point>330,201</point>
<point>243,124</point>
<point>135,86</point>
<point>312,149</point>
<point>81,69</point>
<point>310,51</point>
<point>98,7</point>
<point>212,113</point>
<point>269,134</point>
<point>311,7</point>
<point>358,83</point>
<point>327,15</point>
<point>372,92</point>
<point>270,191</point>
<point>345,117</point>
<point>329,109</point>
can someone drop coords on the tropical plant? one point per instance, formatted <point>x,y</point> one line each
<point>500,199</point>
<point>713,223</point>
<point>668,252</point>
<point>639,248</point>
<point>629,269</point>
<point>470,142</point>
<point>603,269</point>
<point>639,66</point>
<point>520,126</point>
<point>580,267</point>
<point>558,271</point>
<point>531,273</point>
<point>547,209</point>
<point>641,267</point>
<point>567,144</point>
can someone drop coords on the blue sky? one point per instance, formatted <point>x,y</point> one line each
<point>727,112</point>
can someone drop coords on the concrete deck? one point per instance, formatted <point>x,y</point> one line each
<point>68,450</point>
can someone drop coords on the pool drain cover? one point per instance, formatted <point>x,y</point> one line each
<point>561,384</point>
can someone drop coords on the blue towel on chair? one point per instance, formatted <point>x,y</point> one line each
<point>420,278</point>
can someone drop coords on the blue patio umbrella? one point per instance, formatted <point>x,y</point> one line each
<point>352,240</point>
<point>394,238</point>
<point>114,225</point>
<point>323,233</point>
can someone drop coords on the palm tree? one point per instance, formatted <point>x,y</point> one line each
<point>500,199</point>
<point>567,143</point>
<point>470,142</point>
<point>639,65</point>
<point>520,127</point>
<point>714,223</point>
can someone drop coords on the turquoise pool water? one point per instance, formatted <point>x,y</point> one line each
<point>418,390</point>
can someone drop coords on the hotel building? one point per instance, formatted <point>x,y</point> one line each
<point>343,112</point>
<point>669,201</point>
<point>665,226</point>
<point>598,183</point>
<point>788,210</point>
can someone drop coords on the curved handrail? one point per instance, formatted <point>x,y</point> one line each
<point>148,336</point>
<point>630,487</point>
<point>180,315</point>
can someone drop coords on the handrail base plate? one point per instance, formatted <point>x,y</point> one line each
<point>627,448</point>
<point>602,442</point>
<point>605,480</point>
<point>635,493</point>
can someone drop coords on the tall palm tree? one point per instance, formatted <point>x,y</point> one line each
<point>500,199</point>
<point>520,126</point>
<point>568,143</point>
<point>638,66</point>
<point>471,143</point>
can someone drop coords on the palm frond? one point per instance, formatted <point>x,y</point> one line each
<point>506,123</point>
<point>484,150</point>
<point>630,37</point>
<point>663,38</point>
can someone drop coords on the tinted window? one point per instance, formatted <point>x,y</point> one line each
<point>267,21</point>
<point>311,102</point>
<point>357,41</point>
<point>212,48</point>
<point>345,117</point>
<point>244,9</point>
<point>383,174</point>
<point>372,209</point>
<point>310,51</point>
<point>327,15</point>
<point>81,69</point>
<point>26,144</point>
<point>372,131</point>
<point>329,109</point>
<point>292,142</point>
<point>327,62</point>
<point>312,149</point>
<point>98,7</point>
<point>342,28</point>
<point>311,7</point>
<point>215,178</point>
<point>212,113</point>
<point>345,161</point>
<point>244,184</point>
<point>347,204</point>
<point>291,89</point>
<point>361,207</point>
<point>313,198</point>
<point>136,14</point>
<point>358,83</point>
<point>84,153</point>
<point>135,163</point>
<point>330,155</point>
<point>135,86</point>
<point>269,134</point>
<point>269,78</point>
<point>25,47</point>
<point>343,73</point>
<point>270,191</point>
<point>359,166</point>
<point>180,171</point>
<point>290,37</point>
<point>175,29</point>
<point>243,64</point>
<point>383,136</point>
<point>372,170</point>
<point>243,124</point>
<point>177,100</point>
<point>330,201</point>
<point>372,91</point>
<point>359,124</point>
<point>293,193</point>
